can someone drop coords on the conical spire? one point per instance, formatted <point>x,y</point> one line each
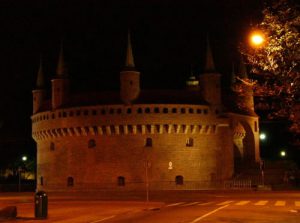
<point>242,68</point>
<point>129,63</point>
<point>61,70</point>
<point>40,83</point>
<point>233,77</point>
<point>209,66</point>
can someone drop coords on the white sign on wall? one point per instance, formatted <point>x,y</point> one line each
<point>170,166</point>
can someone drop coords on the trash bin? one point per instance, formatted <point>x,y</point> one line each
<point>41,204</point>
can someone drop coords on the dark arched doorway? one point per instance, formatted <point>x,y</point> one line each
<point>244,145</point>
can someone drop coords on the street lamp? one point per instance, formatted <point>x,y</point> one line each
<point>282,153</point>
<point>24,159</point>
<point>262,136</point>
<point>256,39</point>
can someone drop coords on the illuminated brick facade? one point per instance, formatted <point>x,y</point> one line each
<point>120,140</point>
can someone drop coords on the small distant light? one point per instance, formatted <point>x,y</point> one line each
<point>282,153</point>
<point>24,158</point>
<point>262,136</point>
<point>292,84</point>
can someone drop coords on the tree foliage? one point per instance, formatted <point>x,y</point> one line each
<point>276,63</point>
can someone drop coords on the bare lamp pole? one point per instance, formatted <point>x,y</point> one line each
<point>262,167</point>
<point>19,183</point>
<point>147,165</point>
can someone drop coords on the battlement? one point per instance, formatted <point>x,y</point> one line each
<point>121,110</point>
<point>124,120</point>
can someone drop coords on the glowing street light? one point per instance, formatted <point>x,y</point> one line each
<point>282,153</point>
<point>24,158</point>
<point>256,39</point>
<point>262,136</point>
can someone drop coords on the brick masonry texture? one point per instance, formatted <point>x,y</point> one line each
<point>128,144</point>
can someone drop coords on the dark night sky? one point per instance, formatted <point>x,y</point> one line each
<point>168,36</point>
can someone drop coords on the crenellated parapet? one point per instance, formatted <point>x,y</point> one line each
<point>125,120</point>
<point>108,130</point>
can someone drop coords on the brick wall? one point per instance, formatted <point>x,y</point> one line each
<point>120,147</point>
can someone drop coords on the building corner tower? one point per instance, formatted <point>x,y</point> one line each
<point>210,82</point>
<point>129,77</point>
<point>60,83</point>
<point>247,97</point>
<point>39,93</point>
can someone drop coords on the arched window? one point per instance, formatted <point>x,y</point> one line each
<point>121,181</point>
<point>148,142</point>
<point>70,182</point>
<point>92,143</point>
<point>179,180</point>
<point>190,142</point>
<point>52,146</point>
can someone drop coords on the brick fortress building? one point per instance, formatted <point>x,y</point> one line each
<point>125,140</point>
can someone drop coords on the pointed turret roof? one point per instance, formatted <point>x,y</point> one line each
<point>233,75</point>
<point>40,83</point>
<point>210,65</point>
<point>129,62</point>
<point>242,69</point>
<point>61,70</point>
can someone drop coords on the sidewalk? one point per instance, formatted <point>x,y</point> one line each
<point>68,209</point>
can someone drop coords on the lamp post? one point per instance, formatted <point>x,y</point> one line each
<point>19,180</point>
<point>147,166</point>
<point>24,159</point>
<point>262,137</point>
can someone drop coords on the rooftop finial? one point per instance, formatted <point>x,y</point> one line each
<point>233,77</point>
<point>61,70</point>
<point>192,81</point>
<point>129,63</point>
<point>40,83</point>
<point>242,68</point>
<point>209,66</point>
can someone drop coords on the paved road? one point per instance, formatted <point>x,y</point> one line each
<point>180,207</point>
<point>246,211</point>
